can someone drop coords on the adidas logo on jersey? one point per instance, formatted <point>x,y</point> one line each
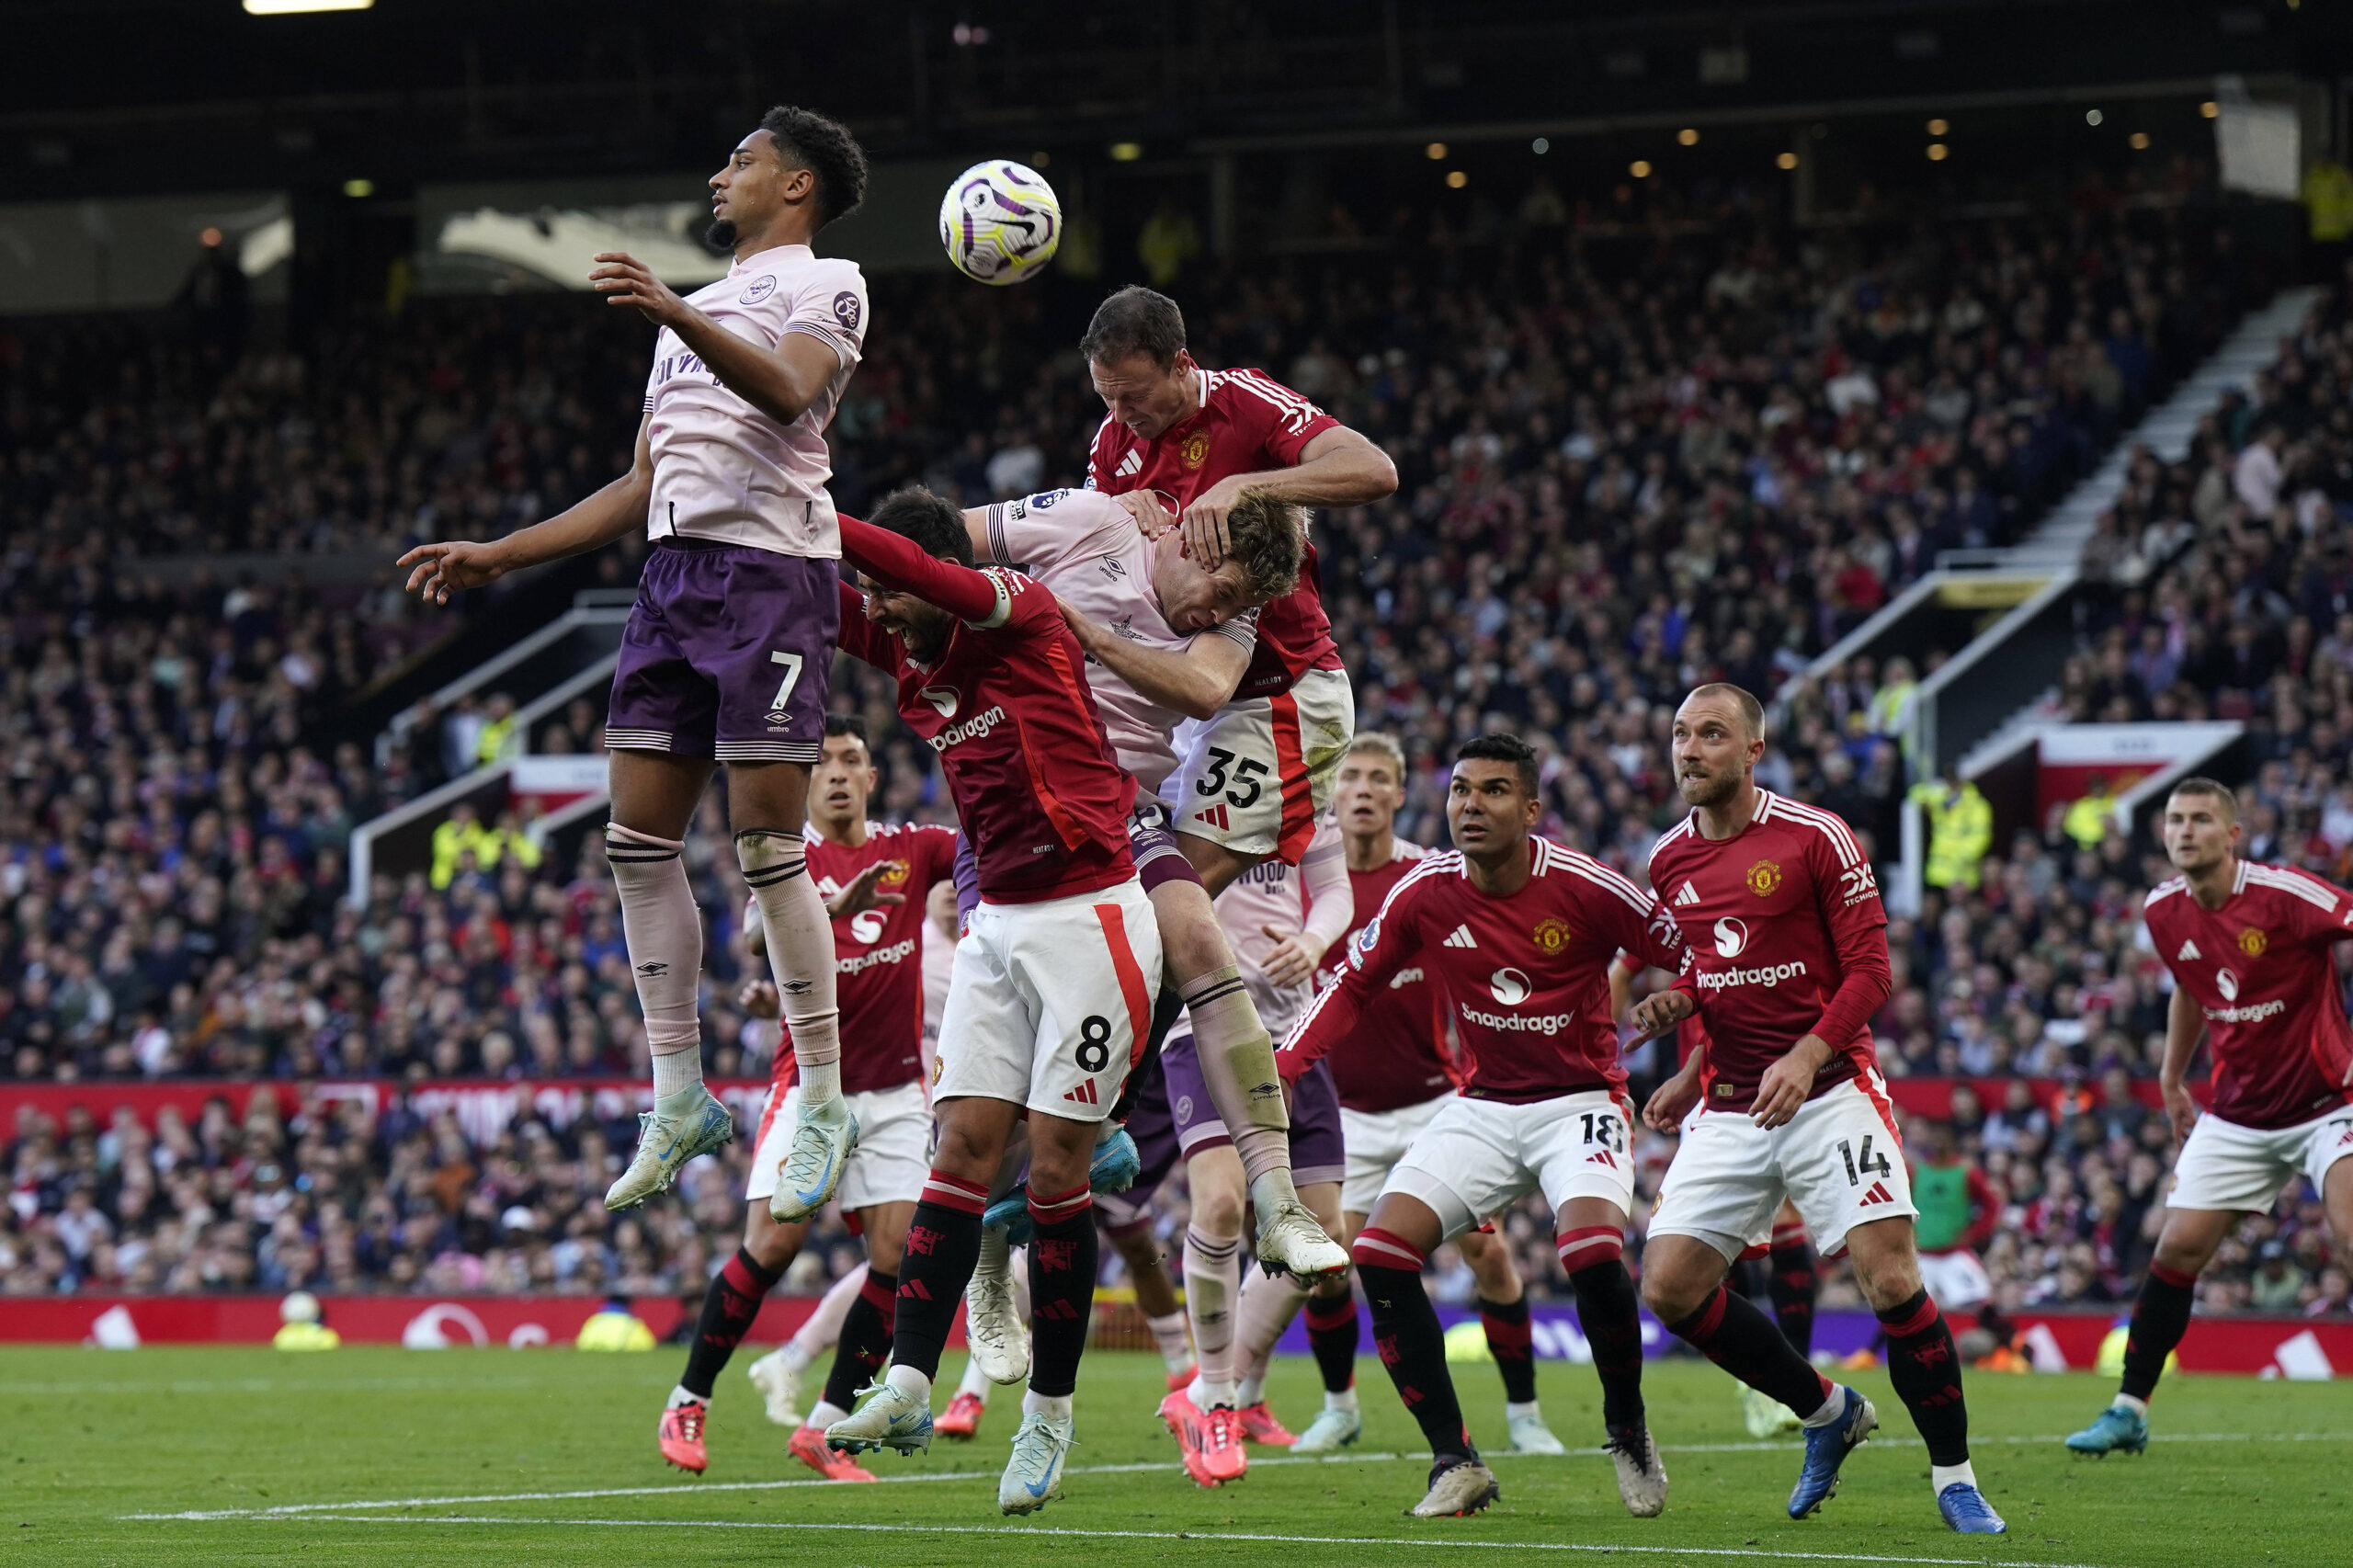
<point>2189,951</point>
<point>1131,463</point>
<point>1687,895</point>
<point>1878,1194</point>
<point>1604,1158</point>
<point>1462,938</point>
<point>1083,1095</point>
<point>1213,815</point>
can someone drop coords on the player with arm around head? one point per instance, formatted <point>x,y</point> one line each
<point>1786,964</point>
<point>729,647</point>
<point>1051,992</point>
<point>2252,951</point>
<point>1168,638</point>
<point>1518,933</point>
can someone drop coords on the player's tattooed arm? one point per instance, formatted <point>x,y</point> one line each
<point>1338,468</point>
<point>781,383</point>
<point>614,512</point>
<point>1196,680</point>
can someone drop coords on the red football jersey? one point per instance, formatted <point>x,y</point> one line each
<point>878,953</point>
<point>1247,423</point>
<point>1396,1054</point>
<point>2260,970</point>
<point>1779,917</point>
<point>1007,707</point>
<point>1525,978</point>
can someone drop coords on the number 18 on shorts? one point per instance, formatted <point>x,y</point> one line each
<point>1049,1004</point>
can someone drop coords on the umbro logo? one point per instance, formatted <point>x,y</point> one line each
<point>1083,1095</point>
<point>1213,815</point>
<point>1462,938</point>
<point>1685,895</point>
<point>2189,951</point>
<point>1878,1194</point>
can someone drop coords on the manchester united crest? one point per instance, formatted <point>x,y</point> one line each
<point>1551,934</point>
<point>1763,878</point>
<point>1196,448</point>
<point>894,873</point>
<point>2252,941</point>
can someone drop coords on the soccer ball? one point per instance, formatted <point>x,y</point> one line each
<point>999,222</point>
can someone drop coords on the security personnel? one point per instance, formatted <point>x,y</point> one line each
<point>1961,829</point>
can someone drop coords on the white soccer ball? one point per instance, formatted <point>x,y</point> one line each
<point>1000,221</point>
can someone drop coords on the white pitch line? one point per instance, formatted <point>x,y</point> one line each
<point>692,1488</point>
<point>1810,1554</point>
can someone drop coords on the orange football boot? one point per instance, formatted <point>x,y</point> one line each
<point>1259,1426</point>
<point>680,1436</point>
<point>807,1445</point>
<point>961,1420</point>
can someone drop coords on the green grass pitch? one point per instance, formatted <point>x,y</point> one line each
<point>392,1457</point>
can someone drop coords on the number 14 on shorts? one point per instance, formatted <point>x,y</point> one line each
<point>1867,1164</point>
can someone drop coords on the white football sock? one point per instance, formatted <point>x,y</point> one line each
<point>1344,1400</point>
<point>825,1415</point>
<point>1168,1334</point>
<point>1056,1405</point>
<point>801,952</point>
<point>2137,1406</point>
<point>907,1381</point>
<point>1943,1475</point>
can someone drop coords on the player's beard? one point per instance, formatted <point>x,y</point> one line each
<point>1714,789</point>
<point>720,235</point>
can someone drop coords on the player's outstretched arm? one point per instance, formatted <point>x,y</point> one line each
<point>618,509</point>
<point>781,383</point>
<point>899,564</point>
<point>1196,680</point>
<point>1338,468</point>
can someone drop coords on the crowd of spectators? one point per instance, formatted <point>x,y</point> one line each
<point>1626,467</point>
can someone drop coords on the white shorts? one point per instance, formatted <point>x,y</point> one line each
<point>1376,1141</point>
<point>1956,1279</point>
<point>1838,1159</point>
<point>1477,1156</point>
<point>1256,776</point>
<point>892,1156</point>
<point>1050,1003</point>
<point>2226,1167</point>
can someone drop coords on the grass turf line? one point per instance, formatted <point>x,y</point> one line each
<point>2241,1473</point>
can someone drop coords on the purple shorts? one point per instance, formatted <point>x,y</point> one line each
<point>728,654</point>
<point>1316,1153</point>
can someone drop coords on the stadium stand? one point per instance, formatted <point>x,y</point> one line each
<point>1627,467</point>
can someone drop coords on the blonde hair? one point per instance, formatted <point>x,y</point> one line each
<point>1384,746</point>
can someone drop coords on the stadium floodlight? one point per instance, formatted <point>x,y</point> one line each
<point>296,8</point>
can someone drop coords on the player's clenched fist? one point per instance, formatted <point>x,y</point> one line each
<point>444,568</point>
<point>1659,1013</point>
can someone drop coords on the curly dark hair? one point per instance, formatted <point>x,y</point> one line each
<point>808,140</point>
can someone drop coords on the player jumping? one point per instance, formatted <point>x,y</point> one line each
<point>1254,778</point>
<point>1787,963</point>
<point>728,649</point>
<point>1518,933</point>
<point>1052,994</point>
<point>866,872</point>
<point>1168,639</point>
<point>2252,952</point>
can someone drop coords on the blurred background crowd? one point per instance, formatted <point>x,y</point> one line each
<point>1627,466</point>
